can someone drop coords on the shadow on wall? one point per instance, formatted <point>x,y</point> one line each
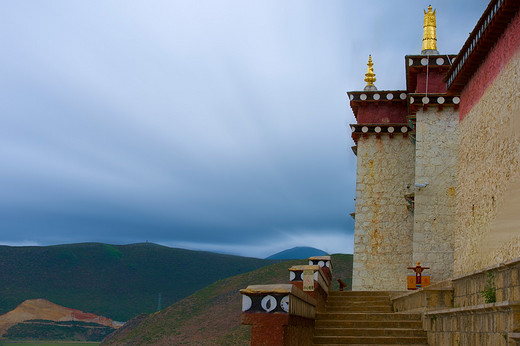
<point>505,226</point>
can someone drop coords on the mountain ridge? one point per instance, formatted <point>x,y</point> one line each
<point>298,252</point>
<point>117,281</point>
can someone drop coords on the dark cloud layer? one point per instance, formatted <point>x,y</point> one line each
<point>209,125</point>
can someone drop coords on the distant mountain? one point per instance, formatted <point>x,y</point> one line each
<point>116,281</point>
<point>211,316</point>
<point>301,252</point>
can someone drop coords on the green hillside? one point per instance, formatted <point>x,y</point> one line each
<point>342,269</point>
<point>211,316</point>
<point>116,281</point>
<point>52,330</point>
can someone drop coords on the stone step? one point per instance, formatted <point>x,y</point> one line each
<point>322,323</point>
<point>350,303</point>
<point>359,308</point>
<point>358,299</point>
<point>373,344</point>
<point>359,302</point>
<point>400,332</point>
<point>366,318</point>
<point>363,316</point>
<point>374,340</point>
<point>359,293</point>
<point>356,305</point>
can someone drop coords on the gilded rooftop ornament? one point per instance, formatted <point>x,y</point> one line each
<point>370,76</point>
<point>429,41</point>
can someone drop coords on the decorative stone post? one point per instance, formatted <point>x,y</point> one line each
<point>325,263</point>
<point>278,315</point>
<point>318,287</point>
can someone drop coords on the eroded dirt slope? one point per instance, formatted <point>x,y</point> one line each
<point>42,309</point>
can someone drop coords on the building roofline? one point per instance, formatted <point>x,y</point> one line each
<point>364,97</point>
<point>420,62</point>
<point>490,26</point>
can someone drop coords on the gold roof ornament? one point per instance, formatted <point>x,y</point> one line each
<point>370,76</point>
<point>429,41</point>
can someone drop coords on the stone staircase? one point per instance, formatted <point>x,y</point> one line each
<point>366,318</point>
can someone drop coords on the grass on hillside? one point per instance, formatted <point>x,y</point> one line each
<point>38,330</point>
<point>211,313</point>
<point>211,316</point>
<point>342,269</point>
<point>48,343</point>
<point>116,281</point>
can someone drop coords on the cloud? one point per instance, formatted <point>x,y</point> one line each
<point>209,124</point>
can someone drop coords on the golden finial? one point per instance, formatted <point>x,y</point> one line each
<point>429,41</point>
<point>370,76</point>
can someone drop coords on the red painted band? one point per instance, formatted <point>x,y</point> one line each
<point>498,57</point>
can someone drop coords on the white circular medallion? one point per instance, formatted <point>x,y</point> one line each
<point>364,129</point>
<point>353,129</point>
<point>378,129</point>
<point>456,100</point>
<point>363,97</point>
<point>391,129</point>
<point>327,263</point>
<point>269,303</point>
<point>411,99</point>
<point>246,303</point>
<point>377,97</point>
<point>440,100</point>
<point>410,62</point>
<point>440,61</point>
<point>284,303</point>
<point>351,97</point>
<point>404,129</point>
<point>321,263</point>
<point>292,276</point>
<point>424,61</point>
<point>425,100</point>
<point>389,96</point>
<point>402,96</point>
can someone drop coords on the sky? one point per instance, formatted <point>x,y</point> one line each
<point>202,124</point>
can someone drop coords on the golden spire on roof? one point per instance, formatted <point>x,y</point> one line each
<point>370,76</point>
<point>429,41</point>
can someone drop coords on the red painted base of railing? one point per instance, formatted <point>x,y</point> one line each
<point>279,329</point>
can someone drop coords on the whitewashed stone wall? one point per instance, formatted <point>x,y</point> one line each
<point>488,189</point>
<point>434,216</point>
<point>383,229</point>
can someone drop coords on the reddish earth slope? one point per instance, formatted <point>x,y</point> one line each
<point>42,309</point>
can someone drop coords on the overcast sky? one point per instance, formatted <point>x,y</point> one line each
<point>212,125</point>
